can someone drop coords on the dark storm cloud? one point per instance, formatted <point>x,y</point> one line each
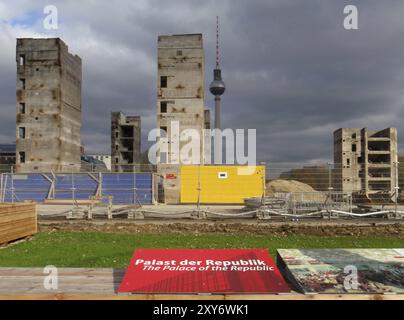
<point>292,71</point>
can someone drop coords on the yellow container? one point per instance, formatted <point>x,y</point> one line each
<point>221,184</point>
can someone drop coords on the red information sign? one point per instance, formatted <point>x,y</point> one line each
<point>202,271</point>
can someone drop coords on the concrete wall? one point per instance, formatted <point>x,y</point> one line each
<point>52,98</point>
<point>171,178</point>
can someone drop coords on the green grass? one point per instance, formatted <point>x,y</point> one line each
<point>93,249</point>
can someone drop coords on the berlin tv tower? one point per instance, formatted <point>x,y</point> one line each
<point>217,88</point>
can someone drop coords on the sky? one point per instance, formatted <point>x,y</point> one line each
<point>292,71</point>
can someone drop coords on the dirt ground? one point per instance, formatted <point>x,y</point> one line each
<point>281,227</point>
<point>319,228</point>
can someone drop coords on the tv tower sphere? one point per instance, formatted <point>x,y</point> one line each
<point>217,86</point>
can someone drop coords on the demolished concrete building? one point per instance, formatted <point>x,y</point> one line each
<point>366,162</point>
<point>180,98</point>
<point>48,106</point>
<point>125,142</point>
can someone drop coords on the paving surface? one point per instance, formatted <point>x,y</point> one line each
<point>84,283</point>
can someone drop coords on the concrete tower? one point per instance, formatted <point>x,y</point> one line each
<point>180,103</point>
<point>217,88</point>
<point>48,106</point>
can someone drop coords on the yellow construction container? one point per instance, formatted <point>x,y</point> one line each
<point>221,184</point>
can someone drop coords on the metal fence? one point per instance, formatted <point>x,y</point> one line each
<point>123,188</point>
<point>368,184</point>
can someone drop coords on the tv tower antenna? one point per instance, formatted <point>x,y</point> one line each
<point>217,42</point>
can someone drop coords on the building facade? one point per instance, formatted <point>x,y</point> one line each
<point>366,162</point>
<point>48,106</point>
<point>125,142</point>
<point>180,88</point>
<point>180,100</point>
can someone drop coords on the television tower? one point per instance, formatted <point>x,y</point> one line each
<point>217,88</point>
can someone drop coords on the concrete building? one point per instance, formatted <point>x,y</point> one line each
<point>180,98</point>
<point>48,106</point>
<point>125,142</point>
<point>365,162</point>
<point>180,95</point>
<point>7,157</point>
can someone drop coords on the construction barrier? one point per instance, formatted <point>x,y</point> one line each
<point>123,187</point>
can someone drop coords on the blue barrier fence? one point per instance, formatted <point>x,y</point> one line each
<point>125,188</point>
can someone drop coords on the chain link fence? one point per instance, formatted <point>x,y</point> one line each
<point>369,184</point>
<point>286,189</point>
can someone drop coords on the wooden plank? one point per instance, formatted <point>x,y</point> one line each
<point>29,222</point>
<point>17,221</point>
<point>11,271</point>
<point>14,237</point>
<point>16,207</point>
<point>70,201</point>
<point>10,204</point>
<point>18,224</point>
<point>11,213</point>
<point>17,228</point>
<point>71,280</point>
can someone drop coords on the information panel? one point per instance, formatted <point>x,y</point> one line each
<point>202,271</point>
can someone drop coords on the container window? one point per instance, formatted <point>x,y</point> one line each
<point>222,175</point>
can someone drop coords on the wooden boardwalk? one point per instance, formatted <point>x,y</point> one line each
<point>101,284</point>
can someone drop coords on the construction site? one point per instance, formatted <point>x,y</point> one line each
<point>85,212</point>
<point>363,181</point>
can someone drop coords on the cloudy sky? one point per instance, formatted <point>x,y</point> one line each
<point>292,71</point>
